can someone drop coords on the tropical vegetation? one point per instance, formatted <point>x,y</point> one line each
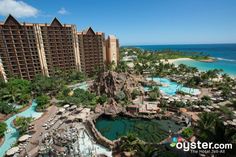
<point>3,129</point>
<point>42,101</point>
<point>22,123</point>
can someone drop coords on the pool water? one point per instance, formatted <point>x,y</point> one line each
<point>170,87</point>
<point>87,146</point>
<point>12,133</point>
<point>82,85</point>
<point>153,131</point>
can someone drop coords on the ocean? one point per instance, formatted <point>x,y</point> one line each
<point>225,54</point>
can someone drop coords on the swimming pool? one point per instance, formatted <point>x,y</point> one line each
<point>170,88</point>
<point>12,133</point>
<point>152,131</point>
<point>87,146</point>
<point>82,85</point>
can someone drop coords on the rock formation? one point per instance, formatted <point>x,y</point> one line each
<point>112,83</point>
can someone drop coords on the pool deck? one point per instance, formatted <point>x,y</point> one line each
<point>40,130</point>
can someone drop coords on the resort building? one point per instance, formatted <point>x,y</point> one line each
<point>18,49</point>
<point>2,72</point>
<point>59,46</point>
<point>112,50</point>
<point>30,49</point>
<point>92,50</point>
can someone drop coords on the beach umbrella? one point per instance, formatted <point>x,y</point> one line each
<point>207,110</point>
<point>187,96</point>
<point>61,110</point>
<point>165,97</point>
<point>66,106</point>
<point>210,107</point>
<point>73,107</point>
<point>213,99</point>
<point>215,106</point>
<point>233,123</point>
<point>24,138</point>
<point>171,99</point>
<point>12,151</point>
<point>203,107</point>
<point>195,106</point>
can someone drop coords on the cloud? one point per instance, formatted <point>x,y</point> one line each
<point>17,8</point>
<point>62,11</point>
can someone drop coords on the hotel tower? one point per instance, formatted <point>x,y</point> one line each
<point>92,50</point>
<point>29,49</point>
<point>112,50</point>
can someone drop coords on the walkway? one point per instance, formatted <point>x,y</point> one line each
<point>38,125</point>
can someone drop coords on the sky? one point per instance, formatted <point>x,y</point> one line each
<point>136,22</point>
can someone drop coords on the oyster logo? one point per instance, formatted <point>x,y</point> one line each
<point>199,147</point>
<point>175,140</point>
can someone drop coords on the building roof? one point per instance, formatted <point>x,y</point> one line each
<point>112,36</point>
<point>11,21</point>
<point>89,31</point>
<point>56,23</point>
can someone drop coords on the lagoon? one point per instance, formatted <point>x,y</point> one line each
<point>153,131</point>
<point>228,66</point>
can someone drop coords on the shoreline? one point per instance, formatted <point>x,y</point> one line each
<point>179,59</point>
<point>211,60</point>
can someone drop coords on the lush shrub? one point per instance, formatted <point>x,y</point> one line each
<point>5,108</point>
<point>42,101</point>
<point>226,111</point>
<point>179,104</point>
<point>154,93</point>
<point>82,97</point>
<point>15,91</point>
<point>206,97</point>
<point>3,128</point>
<point>153,96</point>
<point>135,93</point>
<point>22,123</point>
<point>187,132</point>
<point>102,99</point>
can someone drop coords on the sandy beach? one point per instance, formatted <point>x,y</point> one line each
<point>178,59</point>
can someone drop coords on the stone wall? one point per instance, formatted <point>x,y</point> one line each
<point>98,136</point>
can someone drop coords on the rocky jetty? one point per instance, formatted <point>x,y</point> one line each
<point>112,83</point>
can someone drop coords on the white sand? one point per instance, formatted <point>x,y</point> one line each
<point>179,59</point>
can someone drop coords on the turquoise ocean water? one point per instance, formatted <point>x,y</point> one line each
<point>225,53</point>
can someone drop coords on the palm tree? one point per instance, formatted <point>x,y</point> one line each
<point>129,142</point>
<point>122,67</point>
<point>146,150</point>
<point>206,124</point>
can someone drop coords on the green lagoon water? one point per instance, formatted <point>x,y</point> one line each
<point>148,130</point>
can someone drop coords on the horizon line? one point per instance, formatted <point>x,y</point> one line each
<point>175,44</point>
